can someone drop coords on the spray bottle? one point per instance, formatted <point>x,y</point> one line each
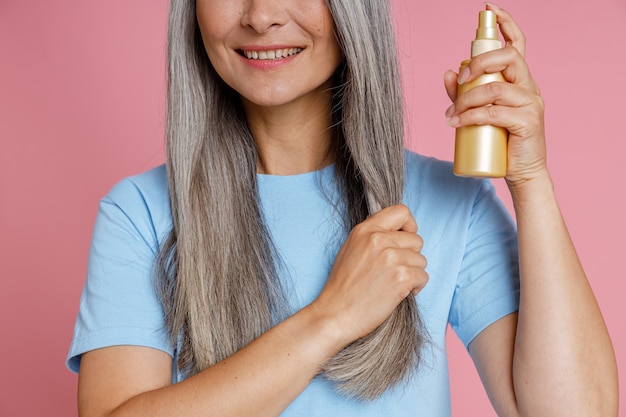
<point>481,151</point>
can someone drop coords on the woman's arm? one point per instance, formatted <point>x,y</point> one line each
<point>261,379</point>
<point>553,358</point>
<point>377,267</point>
<point>562,343</point>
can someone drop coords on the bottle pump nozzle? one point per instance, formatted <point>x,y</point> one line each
<point>486,34</point>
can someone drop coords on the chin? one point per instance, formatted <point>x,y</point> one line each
<point>269,101</point>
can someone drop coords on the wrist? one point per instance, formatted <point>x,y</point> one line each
<point>539,186</point>
<point>328,338</point>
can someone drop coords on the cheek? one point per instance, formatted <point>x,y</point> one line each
<point>213,41</point>
<point>334,52</point>
<point>323,20</point>
<point>222,69</point>
<point>215,22</point>
<point>326,30</point>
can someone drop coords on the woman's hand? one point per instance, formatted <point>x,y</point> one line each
<point>516,105</point>
<point>378,266</point>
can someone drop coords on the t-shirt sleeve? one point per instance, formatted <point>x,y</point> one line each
<point>488,283</point>
<point>119,304</point>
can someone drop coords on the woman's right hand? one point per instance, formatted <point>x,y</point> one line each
<point>378,266</point>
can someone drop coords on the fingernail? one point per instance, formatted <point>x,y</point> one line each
<point>491,5</point>
<point>450,110</point>
<point>453,122</point>
<point>463,75</point>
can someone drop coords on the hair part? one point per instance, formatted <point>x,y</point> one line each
<point>217,272</point>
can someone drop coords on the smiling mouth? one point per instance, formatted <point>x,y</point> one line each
<point>271,54</point>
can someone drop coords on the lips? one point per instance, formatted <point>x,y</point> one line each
<point>270,54</point>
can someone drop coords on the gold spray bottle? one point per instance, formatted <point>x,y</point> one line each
<point>481,151</point>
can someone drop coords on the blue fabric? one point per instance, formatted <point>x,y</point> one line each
<point>470,245</point>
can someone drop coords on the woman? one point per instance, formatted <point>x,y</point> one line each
<point>289,278</point>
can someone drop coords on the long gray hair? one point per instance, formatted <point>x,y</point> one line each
<point>217,271</point>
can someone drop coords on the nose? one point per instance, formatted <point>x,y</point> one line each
<point>263,15</point>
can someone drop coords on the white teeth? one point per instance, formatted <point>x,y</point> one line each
<point>272,54</point>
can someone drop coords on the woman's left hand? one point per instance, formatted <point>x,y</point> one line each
<point>516,105</point>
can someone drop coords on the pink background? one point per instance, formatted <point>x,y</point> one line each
<point>81,106</point>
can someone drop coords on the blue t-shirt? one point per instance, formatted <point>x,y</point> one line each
<point>469,241</point>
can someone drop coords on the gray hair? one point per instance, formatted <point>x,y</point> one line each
<point>218,230</point>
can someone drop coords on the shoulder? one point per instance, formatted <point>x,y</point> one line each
<point>144,188</point>
<point>142,203</point>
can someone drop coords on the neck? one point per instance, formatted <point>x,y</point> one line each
<point>293,138</point>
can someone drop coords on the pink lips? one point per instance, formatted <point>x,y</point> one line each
<point>268,56</point>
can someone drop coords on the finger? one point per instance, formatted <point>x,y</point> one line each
<point>409,270</point>
<point>514,119</point>
<point>507,60</point>
<point>499,93</point>
<point>424,277</point>
<point>400,239</point>
<point>511,32</point>
<point>415,260</point>
<point>449,82</point>
<point>397,217</point>
<point>401,262</point>
<point>419,279</point>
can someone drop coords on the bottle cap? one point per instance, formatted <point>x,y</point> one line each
<point>486,33</point>
<point>487,26</point>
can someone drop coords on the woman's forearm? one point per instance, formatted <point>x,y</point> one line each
<point>260,380</point>
<point>564,364</point>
